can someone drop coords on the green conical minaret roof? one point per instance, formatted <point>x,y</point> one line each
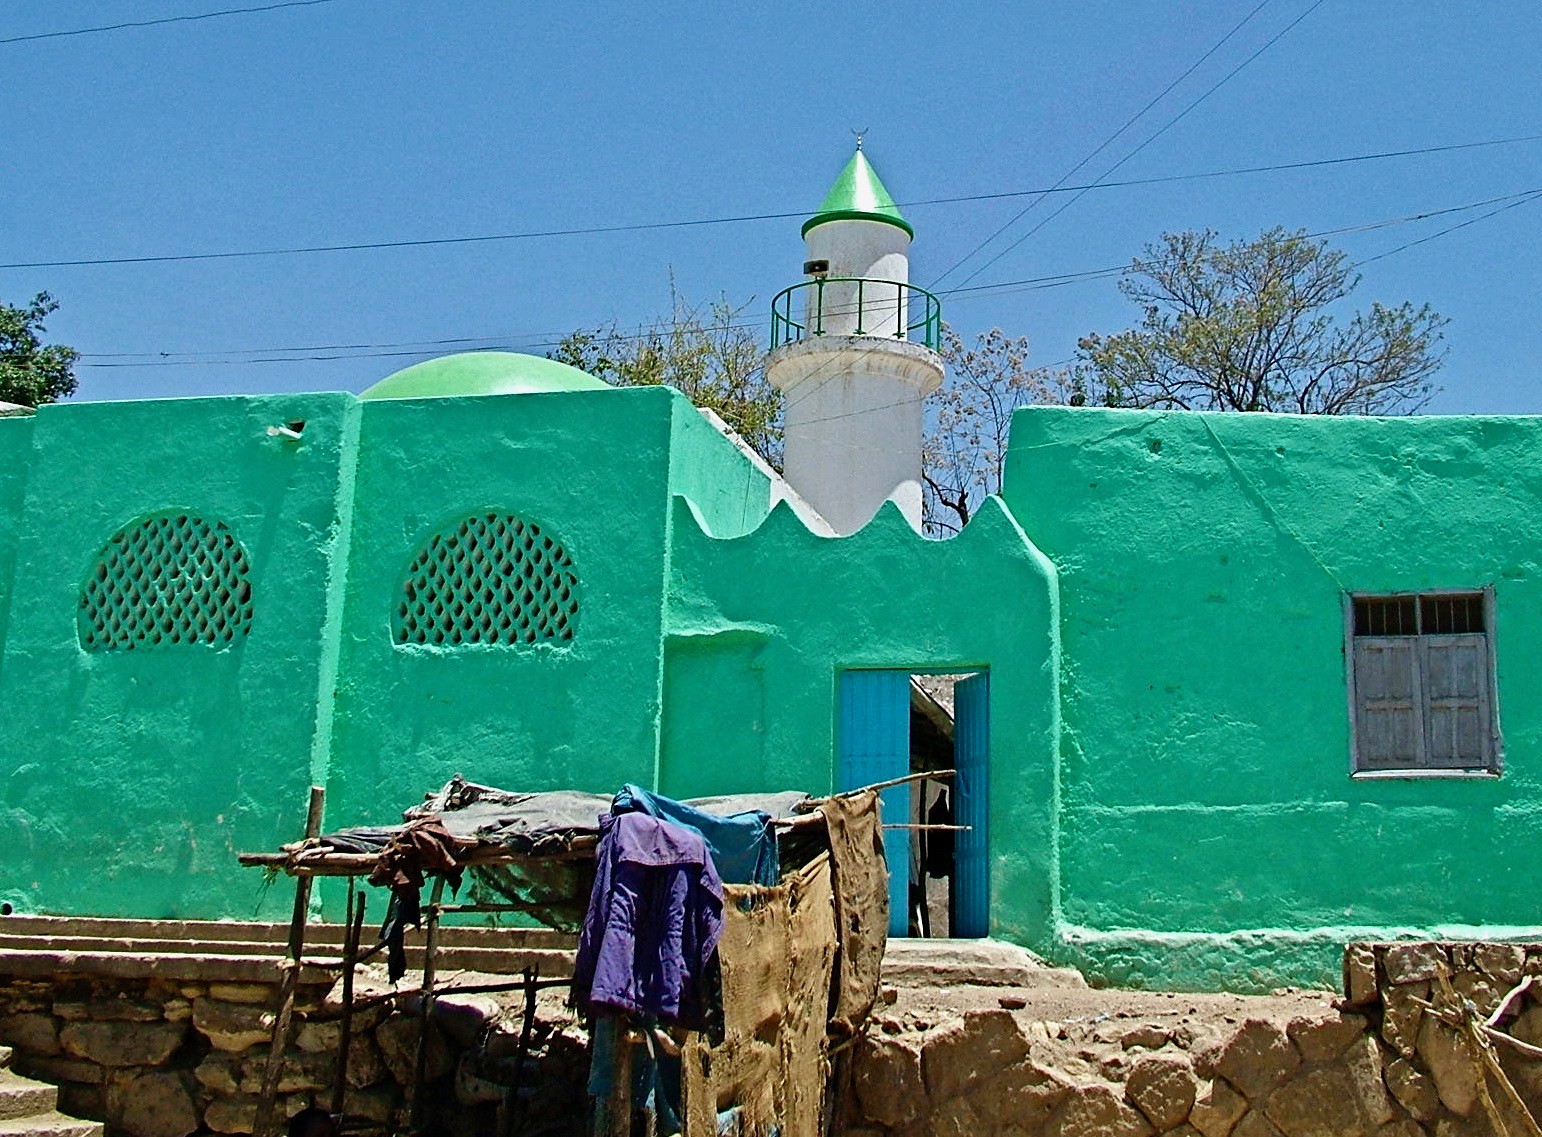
<point>858,195</point>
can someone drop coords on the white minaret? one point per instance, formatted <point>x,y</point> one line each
<point>853,351</point>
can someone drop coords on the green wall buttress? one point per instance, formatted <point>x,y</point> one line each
<point>730,495</point>
<point>136,775</point>
<point>15,463</point>
<point>591,469</point>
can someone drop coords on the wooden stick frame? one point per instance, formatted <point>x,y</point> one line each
<point>306,860</point>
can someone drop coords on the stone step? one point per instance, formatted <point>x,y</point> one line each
<point>22,1097</point>
<point>197,963</point>
<point>6,1054</point>
<point>970,963</point>
<point>50,1124</point>
<point>275,935</point>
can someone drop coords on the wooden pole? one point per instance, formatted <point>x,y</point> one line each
<point>290,980</point>
<point>351,936</point>
<point>1473,1027</point>
<point>618,1107</point>
<point>511,1098</point>
<point>426,1002</point>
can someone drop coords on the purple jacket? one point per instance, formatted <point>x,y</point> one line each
<point>654,919</point>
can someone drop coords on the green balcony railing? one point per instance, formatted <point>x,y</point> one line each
<point>849,305</point>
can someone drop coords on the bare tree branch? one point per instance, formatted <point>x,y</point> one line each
<point>1249,326</point>
<point>969,419</point>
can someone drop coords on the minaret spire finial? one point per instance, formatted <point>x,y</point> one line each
<point>859,134</point>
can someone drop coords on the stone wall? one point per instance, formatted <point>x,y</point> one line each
<point>1375,1063</point>
<point>159,1056</point>
<point>167,1058</point>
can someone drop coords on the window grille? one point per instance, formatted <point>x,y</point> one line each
<point>494,579</point>
<point>168,580</point>
<point>1422,683</point>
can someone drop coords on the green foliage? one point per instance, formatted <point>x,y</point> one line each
<point>714,358</point>
<point>1247,327</point>
<point>30,373</point>
<point>705,352</point>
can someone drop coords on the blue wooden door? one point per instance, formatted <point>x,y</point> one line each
<point>971,756</point>
<point>874,747</point>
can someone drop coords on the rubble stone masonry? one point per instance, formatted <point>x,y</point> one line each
<point>159,1058</point>
<point>1382,1061</point>
<point>1390,1057</point>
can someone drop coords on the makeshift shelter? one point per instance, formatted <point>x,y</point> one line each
<point>795,971</point>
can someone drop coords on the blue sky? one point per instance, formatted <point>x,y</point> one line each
<point>380,120</point>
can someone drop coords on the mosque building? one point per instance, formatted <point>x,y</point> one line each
<point>1231,684</point>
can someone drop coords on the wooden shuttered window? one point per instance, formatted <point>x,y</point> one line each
<point>1422,683</point>
<point>1388,721</point>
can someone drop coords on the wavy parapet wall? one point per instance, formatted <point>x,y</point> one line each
<point>759,628</point>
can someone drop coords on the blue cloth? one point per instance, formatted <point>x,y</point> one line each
<point>655,1076</point>
<point>743,845</point>
<point>655,915</point>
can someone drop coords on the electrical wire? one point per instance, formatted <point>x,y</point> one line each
<point>1105,144</point>
<point>166,20</point>
<point>1163,129</point>
<point>688,223</point>
<point>966,292</point>
<point>1514,201</point>
<point>455,341</point>
<point>961,293</point>
<point>1453,228</point>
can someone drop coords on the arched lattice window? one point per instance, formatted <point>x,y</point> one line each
<point>167,580</point>
<point>491,579</point>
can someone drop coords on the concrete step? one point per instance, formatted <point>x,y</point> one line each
<point>970,963</point>
<point>50,1124</point>
<point>22,1097</point>
<point>6,1054</point>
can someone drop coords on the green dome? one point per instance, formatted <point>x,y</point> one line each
<point>483,373</point>
<point>858,195</point>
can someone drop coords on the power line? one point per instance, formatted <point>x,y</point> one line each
<point>742,218</point>
<point>407,244</point>
<point>280,358</point>
<point>1453,228</point>
<point>1163,129</point>
<point>515,342</point>
<point>963,292</point>
<point>1129,122</point>
<point>906,402</point>
<point>166,20</point>
<point>966,291</point>
<point>1160,179</point>
<point>459,340</point>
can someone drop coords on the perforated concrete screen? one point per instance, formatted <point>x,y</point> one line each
<point>491,579</point>
<point>166,581</point>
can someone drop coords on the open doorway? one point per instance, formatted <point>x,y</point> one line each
<point>896,723</point>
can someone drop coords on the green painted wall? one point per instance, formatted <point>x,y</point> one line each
<point>1171,799</point>
<point>132,777</point>
<point>760,627</point>
<point>1206,783</point>
<point>15,462</point>
<point>591,469</point>
<point>167,762</point>
<point>730,495</point>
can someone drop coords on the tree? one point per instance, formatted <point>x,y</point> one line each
<point>966,430</point>
<point>1247,327</point>
<point>705,352</point>
<point>30,373</point>
<point>715,359</point>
